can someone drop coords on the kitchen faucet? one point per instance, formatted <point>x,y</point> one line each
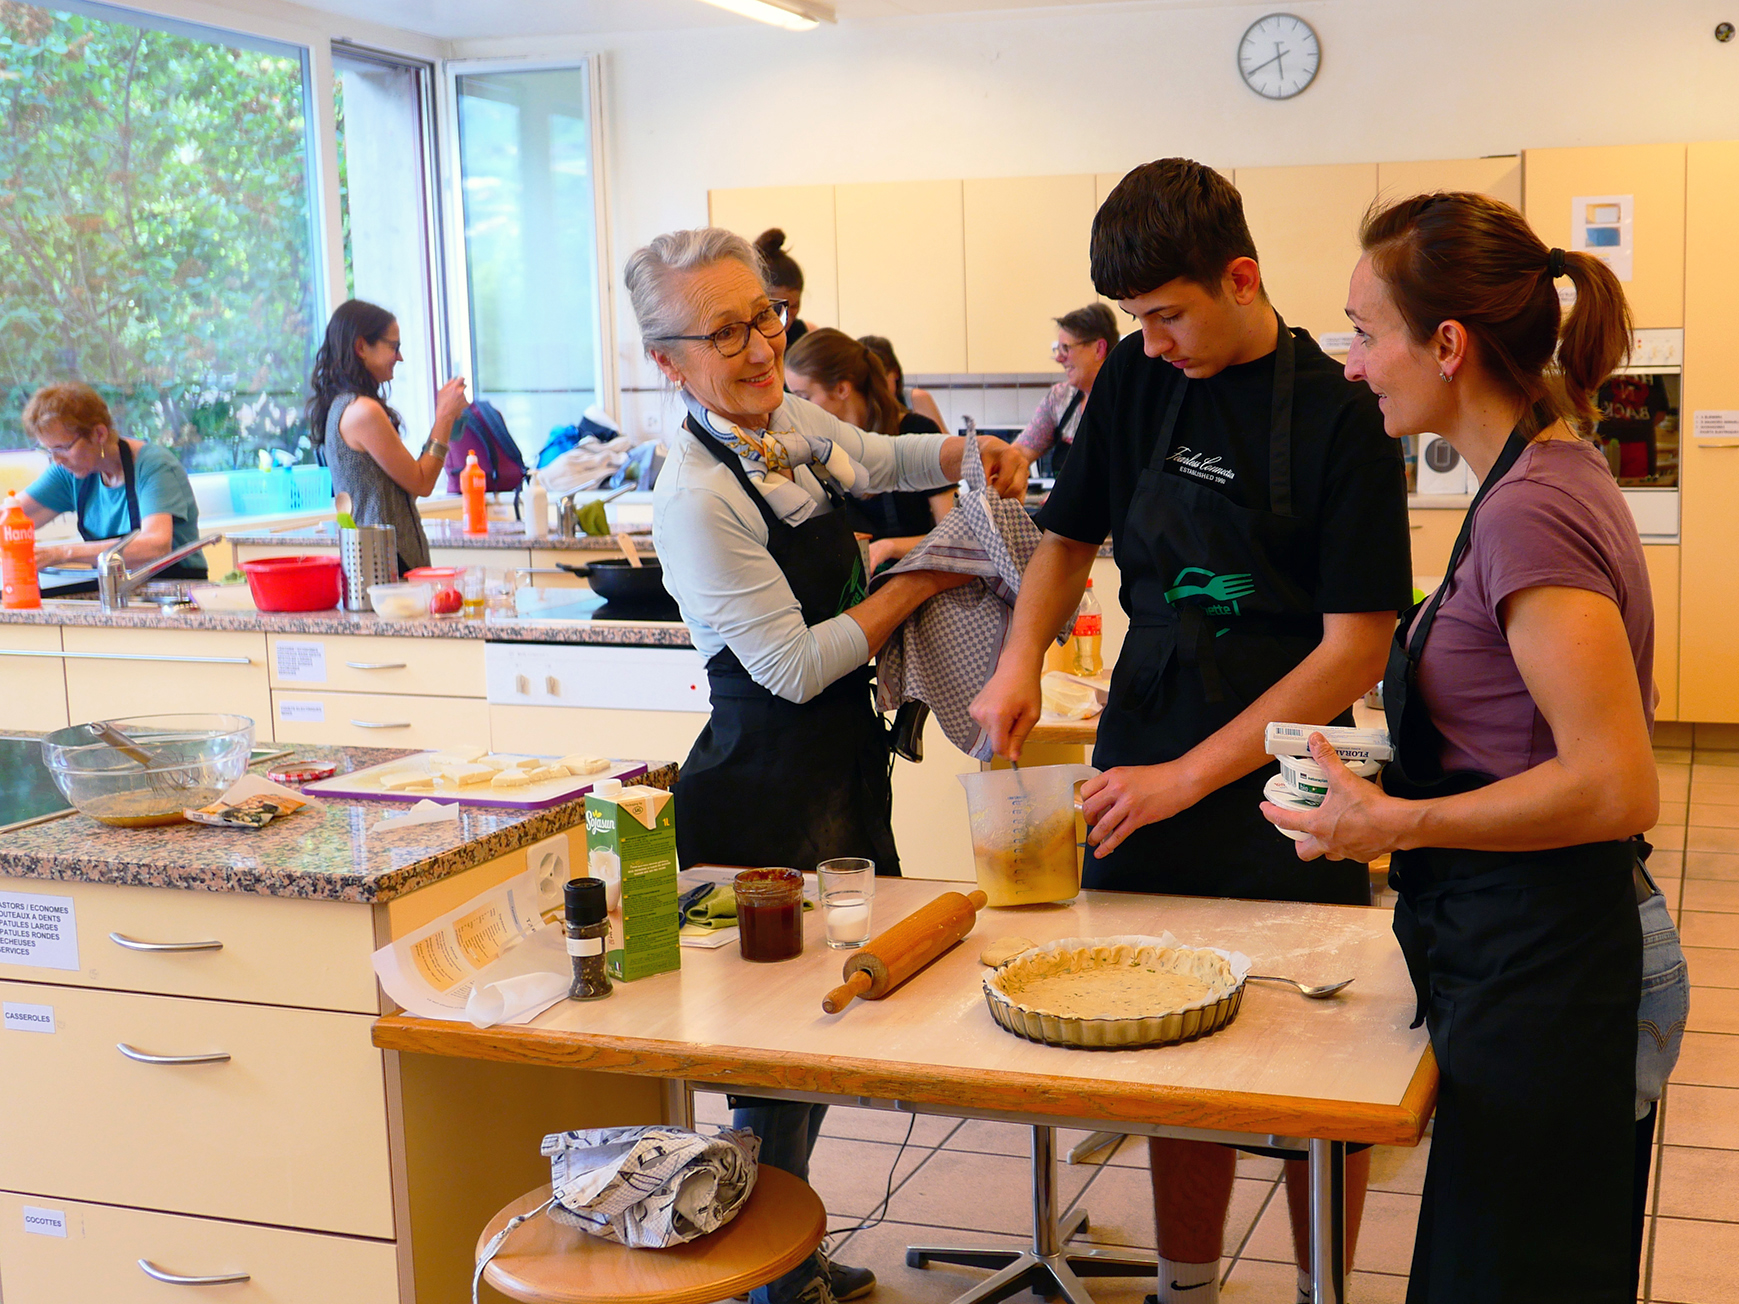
<point>115,583</point>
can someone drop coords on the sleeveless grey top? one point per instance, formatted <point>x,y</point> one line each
<point>375,497</point>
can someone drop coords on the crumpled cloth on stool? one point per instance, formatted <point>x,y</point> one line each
<point>650,1187</point>
<point>945,651</point>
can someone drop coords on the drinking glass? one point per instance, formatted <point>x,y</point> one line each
<point>848,890</point>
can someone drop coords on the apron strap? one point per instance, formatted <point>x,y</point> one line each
<point>1064,434</point>
<point>87,487</point>
<point>1280,422</point>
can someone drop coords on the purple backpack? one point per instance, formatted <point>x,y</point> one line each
<point>482,431</point>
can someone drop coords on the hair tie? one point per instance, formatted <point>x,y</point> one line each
<point>1555,263</point>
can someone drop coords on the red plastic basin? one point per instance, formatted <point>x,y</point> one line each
<point>295,583</point>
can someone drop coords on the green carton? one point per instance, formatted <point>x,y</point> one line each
<point>632,831</point>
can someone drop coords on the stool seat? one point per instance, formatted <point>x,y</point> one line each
<point>776,1229</point>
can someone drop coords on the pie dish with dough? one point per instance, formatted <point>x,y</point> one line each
<point>1116,991</point>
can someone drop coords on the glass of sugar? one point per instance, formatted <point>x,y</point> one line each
<point>848,890</point>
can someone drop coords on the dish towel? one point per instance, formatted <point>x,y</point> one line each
<point>946,649</point>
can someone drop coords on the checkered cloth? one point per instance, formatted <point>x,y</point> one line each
<point>946,649</point>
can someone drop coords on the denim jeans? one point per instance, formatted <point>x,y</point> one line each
<point>787,1129</point>
<point>1666,1002</point>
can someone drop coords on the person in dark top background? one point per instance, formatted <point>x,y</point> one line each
<point>1258,515</point>
<point>784,281</point>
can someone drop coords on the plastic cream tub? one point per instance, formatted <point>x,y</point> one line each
<point>1275,791</point>
<point>1305,779</point>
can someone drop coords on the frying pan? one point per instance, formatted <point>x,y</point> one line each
<point>614,580</point>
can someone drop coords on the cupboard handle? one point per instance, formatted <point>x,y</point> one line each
<point>381,724</point>
<point>134,944</point>
<point>375,665</point>
<point>145,1057</point>
<point>129,656</point>
<point>155,1273</point>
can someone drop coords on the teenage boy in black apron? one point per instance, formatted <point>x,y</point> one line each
<point>1258,515</point>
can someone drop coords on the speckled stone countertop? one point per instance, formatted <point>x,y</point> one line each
<point>447,534</point>
<point>608,633</point>
<point>328,851</point>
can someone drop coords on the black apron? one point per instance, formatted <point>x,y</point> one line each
<point>1220,609</point>
<point>189,568</point>
<point>1527,967</point>
<point>775,782</point>
<point>1059,446</point>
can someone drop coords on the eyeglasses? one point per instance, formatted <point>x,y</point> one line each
<point>733,339</point>
<point>397,352</point>
<point>1060,351</point>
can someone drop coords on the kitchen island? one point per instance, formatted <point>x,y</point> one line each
<point>206,1097</point>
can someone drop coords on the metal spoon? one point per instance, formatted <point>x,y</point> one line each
<point>1321,993</point>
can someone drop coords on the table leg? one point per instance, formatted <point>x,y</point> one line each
<point>1091,1145</point>
<point>678,1103</point>
<point>1328,1212</point>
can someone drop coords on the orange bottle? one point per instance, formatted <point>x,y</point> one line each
<point>473,483</point>
<point>17,558</point>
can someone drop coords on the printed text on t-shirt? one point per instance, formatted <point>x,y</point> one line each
<point>1212,469</point>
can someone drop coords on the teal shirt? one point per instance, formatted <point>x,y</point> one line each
<point>162,485</point>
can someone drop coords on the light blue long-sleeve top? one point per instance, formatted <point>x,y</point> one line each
<point>712,544</point>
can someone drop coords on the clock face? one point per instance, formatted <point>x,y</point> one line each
<point>1278,56</point>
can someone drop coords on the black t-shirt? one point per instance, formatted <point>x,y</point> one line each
<point>904,512</point>
<point>1348,477</point>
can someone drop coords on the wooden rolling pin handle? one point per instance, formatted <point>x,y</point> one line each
<point>977,899</point>
<point>843,995</point>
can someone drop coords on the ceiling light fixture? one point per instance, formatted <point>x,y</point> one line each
<point>792,15</point>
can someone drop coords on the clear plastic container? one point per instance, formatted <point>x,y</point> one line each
<point>400,601</point>
<point>1025,840</point>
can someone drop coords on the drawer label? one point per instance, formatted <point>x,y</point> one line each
<point>306,712</point>
<point>27,1018</point>
<point>302,663</point>
<point>44,1222</point>
<point>1715,425</point>
<point>38,931</point>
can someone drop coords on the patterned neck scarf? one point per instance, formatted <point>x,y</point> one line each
<point>770,458</point>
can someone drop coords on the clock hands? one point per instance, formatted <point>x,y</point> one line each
<point>1279,54</point>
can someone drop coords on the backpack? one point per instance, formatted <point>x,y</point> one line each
<point>596,423</point>
<point>482,431</point>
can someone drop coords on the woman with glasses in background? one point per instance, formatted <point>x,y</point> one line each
<point>759,552</point>
<point>362,437</point>
<point>1085,338</point>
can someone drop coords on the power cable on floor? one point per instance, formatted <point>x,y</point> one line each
<point>877,1215</point>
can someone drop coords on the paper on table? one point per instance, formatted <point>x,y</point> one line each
<point>424,812</point>
<point>498,936</point>
<point>1070,697</point>
<point>255,785</point>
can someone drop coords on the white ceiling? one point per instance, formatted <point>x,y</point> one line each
<point>458,20</point>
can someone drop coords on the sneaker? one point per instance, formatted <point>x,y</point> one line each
<point>850,1283</point>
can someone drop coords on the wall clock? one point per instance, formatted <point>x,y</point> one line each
<point>1278,56</point>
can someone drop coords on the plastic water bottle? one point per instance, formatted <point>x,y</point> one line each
<point>536,509</point>
<point>1089,627</point>
<point>18,588</point>
<point>473,484</point>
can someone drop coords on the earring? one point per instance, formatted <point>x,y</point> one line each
<point>1445,375</point>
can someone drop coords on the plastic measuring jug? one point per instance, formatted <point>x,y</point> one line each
<point>1023,832</point>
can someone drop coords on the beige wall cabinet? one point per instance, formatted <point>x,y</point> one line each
<point>1709,529</point>
<point>1655,176</point>
<point>1305,221</point>
<point>1501,178</point>
<point>1433,536</point>
<point>805,215</point>
<point>34,673</point>
<point>1663,580</point>
<point>1026,262</point>
<point>114,672</point>
<point>902,269</point>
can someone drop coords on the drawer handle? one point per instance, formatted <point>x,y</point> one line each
<point>134,944</point>
<point>145,1057</point>
<point>130,656</point>
<point>155,1273</point>
<point>381,724</point>
<point>375,665</point>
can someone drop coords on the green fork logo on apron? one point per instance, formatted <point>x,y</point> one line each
<point>1218,595</point>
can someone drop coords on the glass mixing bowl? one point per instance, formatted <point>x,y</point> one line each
<point>193,758</point>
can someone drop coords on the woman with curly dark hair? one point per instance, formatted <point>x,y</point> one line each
<point>361,436</point>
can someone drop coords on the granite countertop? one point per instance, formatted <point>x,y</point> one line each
<point>608,633</point>
<point>447,534</point>
<point>329,851</point>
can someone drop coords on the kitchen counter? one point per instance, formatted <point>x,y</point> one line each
<point>329,851</point>
<point>448,534</point>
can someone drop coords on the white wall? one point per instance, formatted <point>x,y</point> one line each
<point>1104,87</point>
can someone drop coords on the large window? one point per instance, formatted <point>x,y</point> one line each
<point>527,179</point>
<point>155,231</point>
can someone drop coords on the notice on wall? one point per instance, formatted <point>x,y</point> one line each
<point>26,1018</point>
<point>1340,342</point>
<point>1602,225</point>
<point>303,712</point>
<point>1715,425</point>
<point>302,663</point>
<point>40,932</point>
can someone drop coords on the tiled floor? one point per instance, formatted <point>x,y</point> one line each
<point>968,1183</point>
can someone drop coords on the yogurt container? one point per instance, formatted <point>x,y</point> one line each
<point>1275,791</point>
<point>1305,779</point>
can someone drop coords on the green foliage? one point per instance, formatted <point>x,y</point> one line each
<point>154,232</point>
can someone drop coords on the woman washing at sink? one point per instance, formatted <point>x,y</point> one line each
<point>115,486</point>
<point>751,523</point>
<point>363,437</point>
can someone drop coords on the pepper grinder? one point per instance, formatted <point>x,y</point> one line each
<point>588,928</point>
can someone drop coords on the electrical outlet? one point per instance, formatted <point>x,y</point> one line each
<point>652,423</point>
<point>552,866</point>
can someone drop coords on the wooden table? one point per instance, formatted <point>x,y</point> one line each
<point>1345,1070</point>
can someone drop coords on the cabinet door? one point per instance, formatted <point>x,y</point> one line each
<point>379,719</point>
<point>1709,527</point>
<point>148,671</point>
<point>1655,176</point>
<point>1305,221</point>
<point>555,731</point>
<point>1663,580</point>
<point>98,1258</point>
<point>35,678</point>
<point>1434,531</point>
<point>805,215</point>
<point>361,663</point>
<point>1501,178</point>
<point>902,269</point>
<point>1026,262</point>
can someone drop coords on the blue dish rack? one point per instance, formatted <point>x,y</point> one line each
<point>269,493</point>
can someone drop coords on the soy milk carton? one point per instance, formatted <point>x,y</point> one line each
<point>631,845</point>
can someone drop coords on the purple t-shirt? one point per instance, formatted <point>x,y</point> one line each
<point>1557,519</point>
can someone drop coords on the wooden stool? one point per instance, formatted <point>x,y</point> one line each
<point>544,1260</point>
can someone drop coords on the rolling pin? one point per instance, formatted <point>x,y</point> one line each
<point>889,958</point>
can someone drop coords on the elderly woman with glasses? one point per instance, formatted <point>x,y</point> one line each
<point>1085,338</point>
<point>793,767</point>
